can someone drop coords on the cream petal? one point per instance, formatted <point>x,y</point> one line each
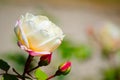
<point>47,41</point>
<point>53,46</point>
<point>50,44</point>
<point>23,35</point>
<point>39,27</point>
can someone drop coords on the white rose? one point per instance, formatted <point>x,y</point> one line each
<point>110,36</point>
<point>37,34</point>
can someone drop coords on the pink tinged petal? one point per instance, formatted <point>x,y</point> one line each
<point>17,23</point>
<point>32,53</point>
<point>22,46</point>
<point>16,26</point>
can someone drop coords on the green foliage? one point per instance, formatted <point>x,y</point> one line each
<point>17,59</point>
<point>9,77</point>
<point>40,75</point>
<point>112,74</point>
<point>4,65</point>
<point>83,52</point>
<point>105,53</point>
<point>109,74</point>
<point>61,77</point>
<point>69,50</point>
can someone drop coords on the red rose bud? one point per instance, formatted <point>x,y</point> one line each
<point>45,60</point>
<point>64,69</point>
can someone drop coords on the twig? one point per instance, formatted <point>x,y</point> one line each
<point>12,75</point>
<point>50,77</point>
<point>33,69</point>
<point>15,71</point>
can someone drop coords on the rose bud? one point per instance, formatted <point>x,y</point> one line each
<point>37,34</point>
<point>45,60</point>
<point>64,69</point>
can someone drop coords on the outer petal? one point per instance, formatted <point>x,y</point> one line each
<point>51,44</point>
<point>32,53</point>
<point>20,32</point>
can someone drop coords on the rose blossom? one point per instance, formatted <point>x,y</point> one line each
<point>110,36</point>
<point>37,34</point>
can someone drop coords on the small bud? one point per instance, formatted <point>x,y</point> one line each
<point>63,69</point>
<point>45,60</point>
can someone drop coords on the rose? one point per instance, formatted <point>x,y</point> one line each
<point>37,34</point>
<point>110,36</point>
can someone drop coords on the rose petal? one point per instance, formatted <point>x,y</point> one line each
<point>32,53</point>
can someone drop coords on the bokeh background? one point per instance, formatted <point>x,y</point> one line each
<point>77,18</point>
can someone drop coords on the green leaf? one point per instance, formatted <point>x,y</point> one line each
<point>4,65</point>
<point>67,49</point>
<point>9,77</point>
<point>112,73</point>
<point>40,75</point>
<point>83,52</point>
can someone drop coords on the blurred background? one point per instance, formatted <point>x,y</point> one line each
<point>92,35</point>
